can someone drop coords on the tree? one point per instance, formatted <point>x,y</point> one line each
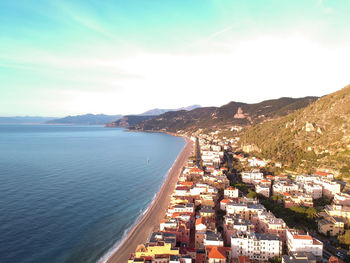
<point>252,194</point>
<point>275,260</point>
<point>345,239</point>
<point>311,212</point>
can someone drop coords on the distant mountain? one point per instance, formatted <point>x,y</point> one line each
<point>157,111</point>
<point>129,121</point>
<point>317,136</point>
<point>24,120</point>
<point>233,113</point>
<point>86,119</point>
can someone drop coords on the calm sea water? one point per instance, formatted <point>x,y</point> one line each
<point>68,193</point>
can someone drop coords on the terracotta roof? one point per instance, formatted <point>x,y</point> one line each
<point>286,194</point>
<point>243,259</point>
<point>187,183</point>
<point>265,181</point>
<point>306,237</point>
<point>216,252</point>
<point>282,176</point>
<point>200,220</point>
<point>225,201</point>
<point>230,188</point>
<point>175,215</point>
<point>334,259</point>
<point>322,173</point>
<point>196,170</point>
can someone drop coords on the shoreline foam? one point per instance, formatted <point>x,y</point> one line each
<point>151,217</point>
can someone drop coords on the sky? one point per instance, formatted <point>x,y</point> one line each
<point>71,57</point>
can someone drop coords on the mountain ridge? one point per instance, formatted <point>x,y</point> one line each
<point>232,113</point>
<point>315,136</point>
<point>158,111</point>
<point>86,119</point>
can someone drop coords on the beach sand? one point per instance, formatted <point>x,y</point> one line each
<point>156,212</point>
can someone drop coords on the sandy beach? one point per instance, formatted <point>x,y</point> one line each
<point>155,213</point>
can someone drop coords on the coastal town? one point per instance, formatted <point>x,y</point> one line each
<point>229,206</point>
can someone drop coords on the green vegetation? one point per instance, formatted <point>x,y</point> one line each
<point>275,260</point>
<point>296,216</point>
<point>241,187</point>
<point>208,118</point>
<point>321,202</point>
<point>252,194</point>
<point>345,238</point>
<point>316,136</point>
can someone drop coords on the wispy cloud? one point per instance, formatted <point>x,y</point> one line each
<point>322,5</point>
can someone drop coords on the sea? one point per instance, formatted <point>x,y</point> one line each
<point>69,194</point>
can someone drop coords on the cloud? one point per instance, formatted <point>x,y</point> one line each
<point>326,10</point>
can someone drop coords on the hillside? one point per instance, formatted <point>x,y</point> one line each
<point>129,121</point>
<point>157,111</point>
<point>316,136</point>
<point>233,113</point>
<point>24,120</point>
<point>86,119</point>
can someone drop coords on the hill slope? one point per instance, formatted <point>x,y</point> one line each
<point>129,121</point>
<point>88,119</point>
<point>316,136</point>
<point>157,111</point>
<point>233,113</point>
<point>24,120</point>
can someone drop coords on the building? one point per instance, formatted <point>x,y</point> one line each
<point>245,210</point>
<point>231,192</point>
<point>217,254</point>
<point>224,203</point>
<point>303,243</point>
<point>334,259</point>
<point>299,257</point>
<point>299,199</point>
<point>263,190</point>
<point>233,224</point>
<point>249,177</point>
<point>212,238</point>
<point>329,188</point>
<point>266,222</point>
<point>256,246</point>
<point>331,226</point>
<point>314,190</point>
<point>156,250</point>
<point>281,187</point>
<point>338,211</point>
<point>341,199</point>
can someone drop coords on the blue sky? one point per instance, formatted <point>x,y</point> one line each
<point>121,57</point>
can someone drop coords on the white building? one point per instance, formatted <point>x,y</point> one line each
<point>342,199</point>
<point>263,190</point>
<point>329,188</point>
<point>256,246</point>
<point>303,243</point>
<point>256,162</point>
<point>314,190</point>
<point>249,177</point>
<point>284,187</point>
<point>231,192</point>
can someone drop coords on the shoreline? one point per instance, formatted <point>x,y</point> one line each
<point>150,220</point>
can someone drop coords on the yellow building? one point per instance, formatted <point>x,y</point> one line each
<point>151,250</point>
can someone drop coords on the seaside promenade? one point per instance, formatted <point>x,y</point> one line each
<point>156,211</point>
